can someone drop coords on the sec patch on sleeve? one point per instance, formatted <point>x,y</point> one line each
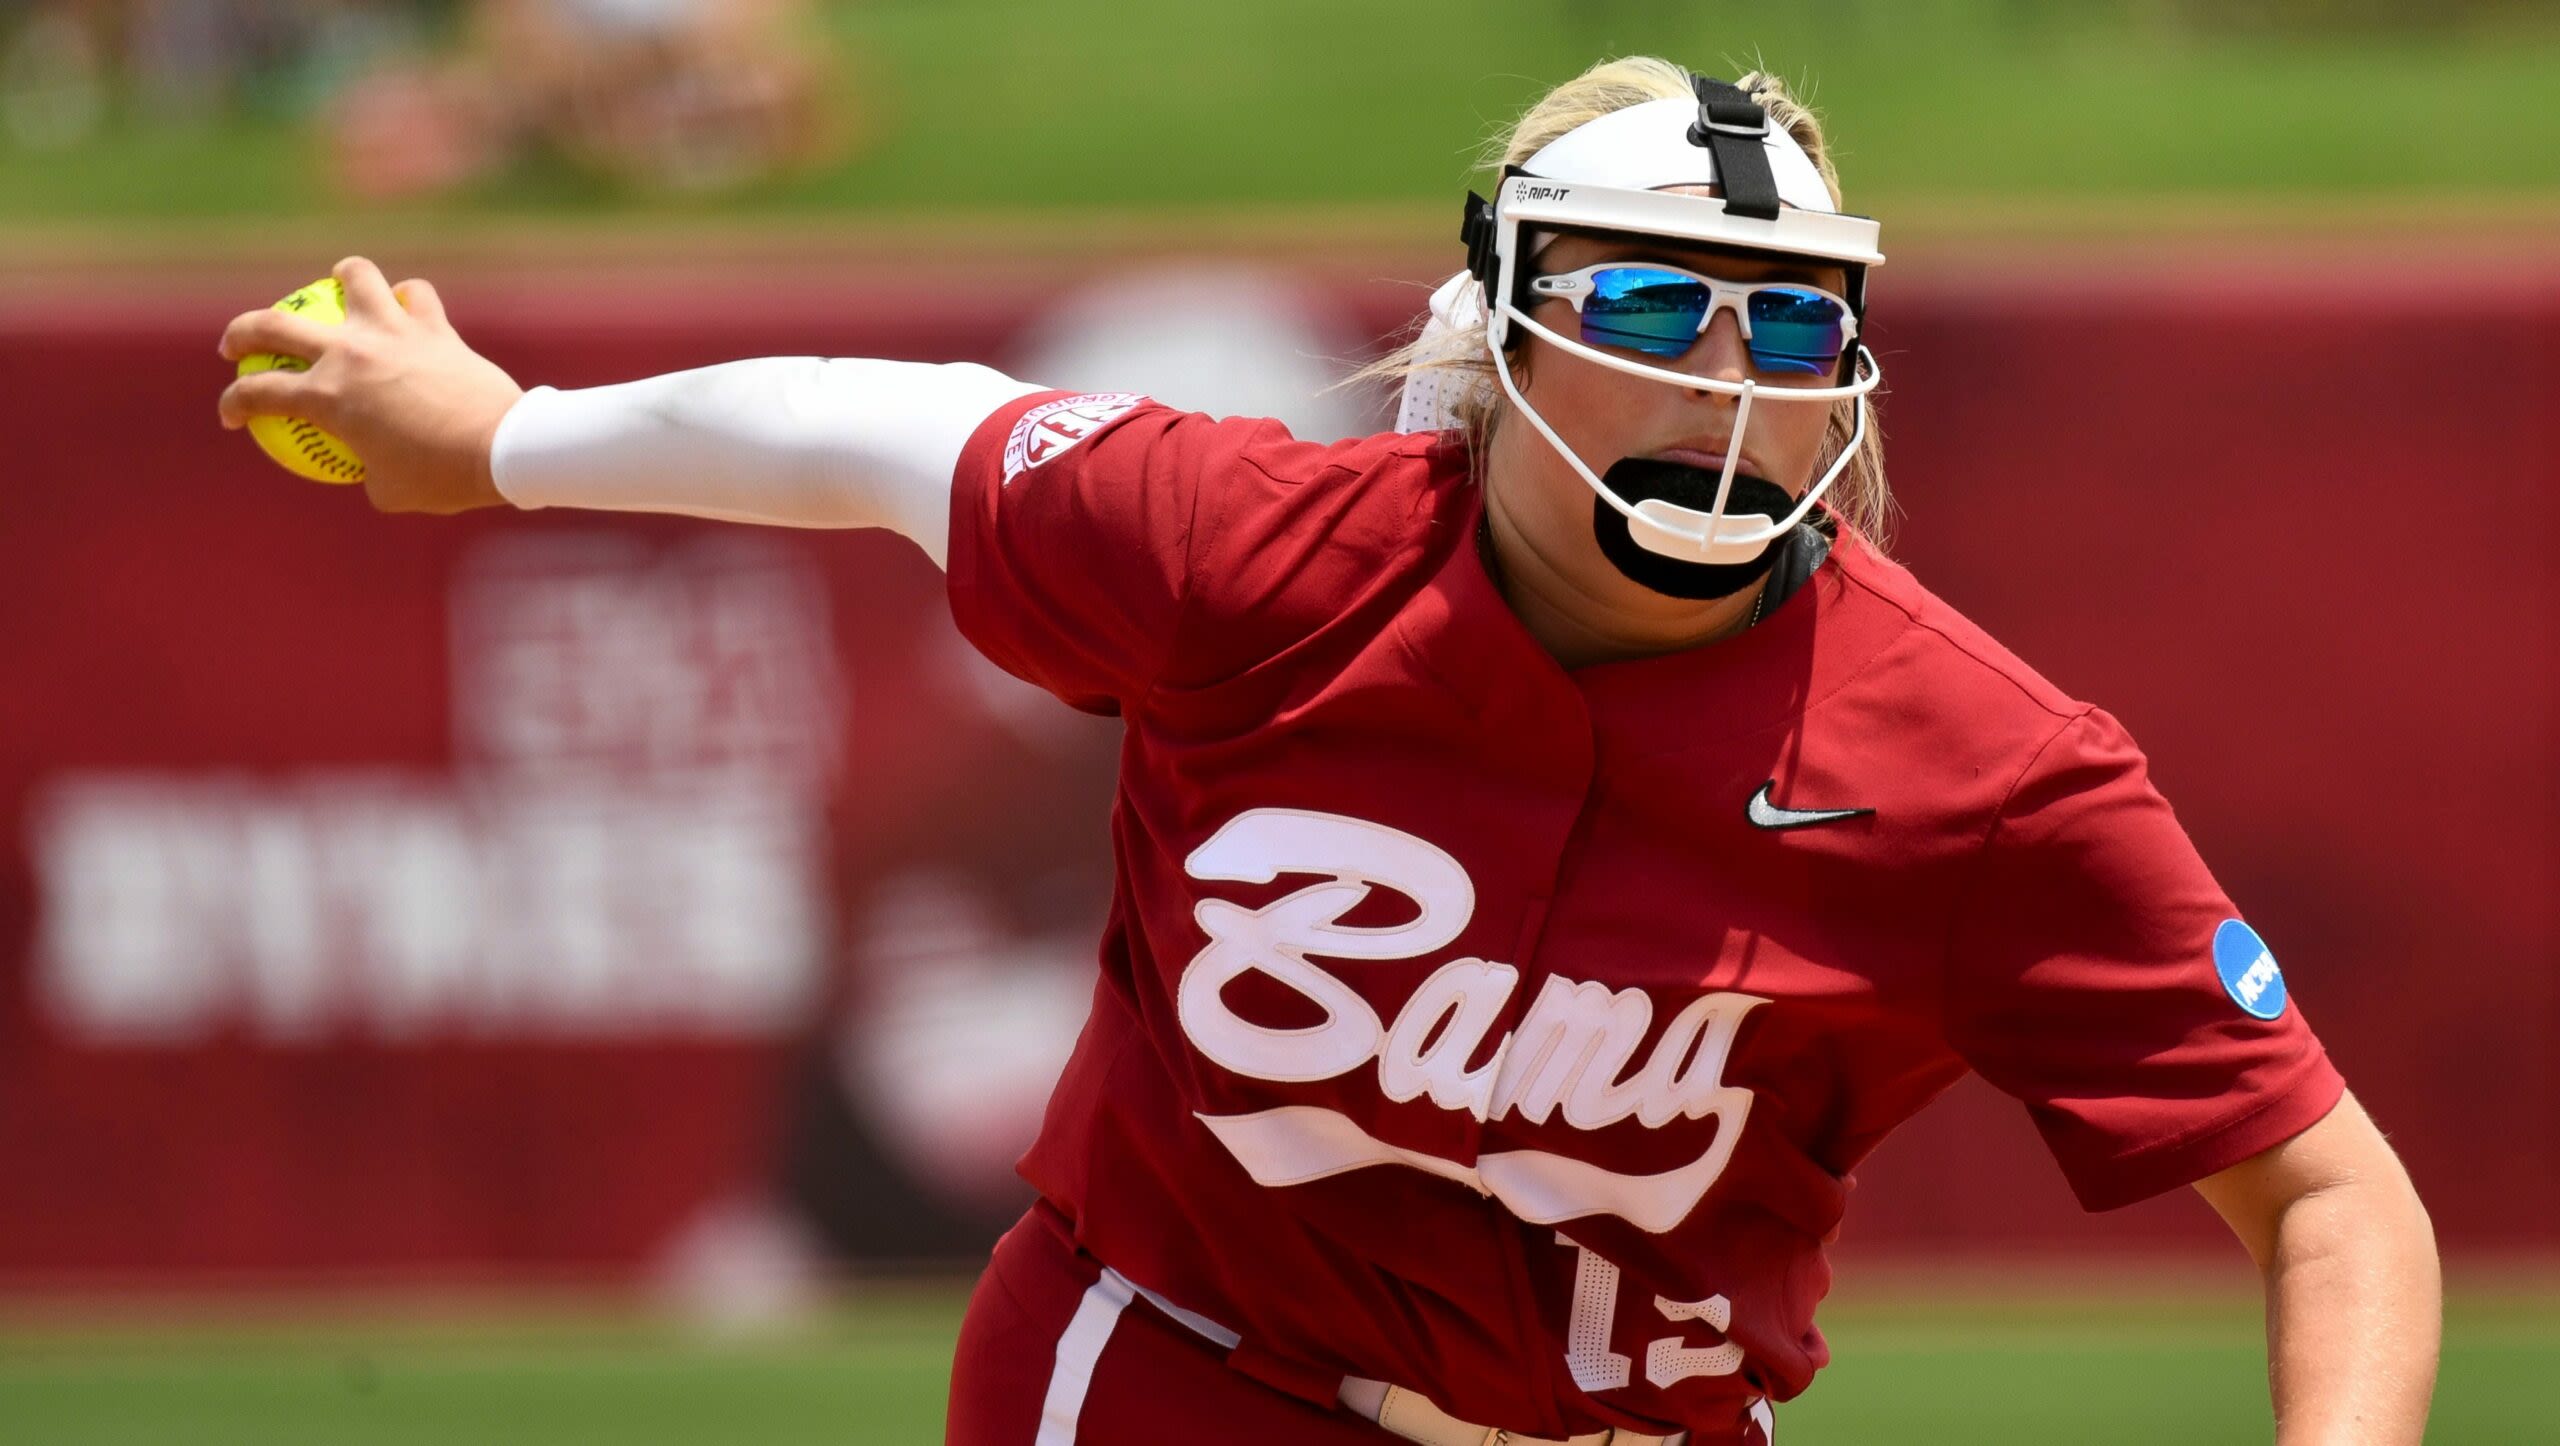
<point>1052,427</point>
<point>2248,970</point>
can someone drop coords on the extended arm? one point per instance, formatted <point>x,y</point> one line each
<point>795,441</point>
<point>2354,1292</point>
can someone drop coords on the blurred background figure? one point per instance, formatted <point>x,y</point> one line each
<point>669,95</point>
<point>53,76</point>
<point>68,66</point>
<point>417,98</point>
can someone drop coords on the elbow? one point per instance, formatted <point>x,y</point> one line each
<point>2372,1220</point>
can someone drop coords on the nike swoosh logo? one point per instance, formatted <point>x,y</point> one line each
<point>1764,814</point>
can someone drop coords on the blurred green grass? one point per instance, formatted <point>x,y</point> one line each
<point>1001,107</point>
<point>1982,1368</point>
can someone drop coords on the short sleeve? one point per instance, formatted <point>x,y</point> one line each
<point>2100,975</point>
<point>1074,521</point>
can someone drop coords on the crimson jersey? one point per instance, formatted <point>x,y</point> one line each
<point>1508,1033</point>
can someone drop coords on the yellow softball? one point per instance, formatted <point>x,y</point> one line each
<point>298,446</point>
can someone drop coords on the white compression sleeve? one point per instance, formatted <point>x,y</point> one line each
<point>794,441</point>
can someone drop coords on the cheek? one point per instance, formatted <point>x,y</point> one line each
<point>1797,430</point>
<point>1600,412</point>
<point>1597,419</point>
<point>1538,485</point>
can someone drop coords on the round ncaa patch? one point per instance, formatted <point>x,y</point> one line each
<point>2248,970</point>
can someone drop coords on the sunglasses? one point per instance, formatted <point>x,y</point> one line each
<point>1790,328</point>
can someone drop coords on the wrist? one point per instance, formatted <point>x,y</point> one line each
<point>485,489</point>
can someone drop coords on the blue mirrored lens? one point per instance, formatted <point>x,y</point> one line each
<point>1795,330</point>
<point>1641,309</point>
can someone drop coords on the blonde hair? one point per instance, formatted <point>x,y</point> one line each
<point>1860,497</point>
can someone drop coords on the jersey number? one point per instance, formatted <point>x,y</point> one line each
<point>1667,1360</point>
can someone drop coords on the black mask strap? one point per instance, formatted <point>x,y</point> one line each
<point>1733,126</point>
<point>1478,233</point>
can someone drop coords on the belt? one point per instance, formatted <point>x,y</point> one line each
<point>1407,1413</point>
<point>1413,1417</point>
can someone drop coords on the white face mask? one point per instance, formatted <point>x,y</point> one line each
<point>1606,176</point>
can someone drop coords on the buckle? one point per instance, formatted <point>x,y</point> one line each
<point>1726,109</point>
<point>1734,118</point>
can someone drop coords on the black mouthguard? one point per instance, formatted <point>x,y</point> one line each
<point>1638,479</point>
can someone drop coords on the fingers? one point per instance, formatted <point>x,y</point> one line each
<point>281,332</point>
<point>368,295</point>
<point>419,297</point>
<point>268,394</point>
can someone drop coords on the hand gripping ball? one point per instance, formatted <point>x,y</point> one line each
<point>298,446</point>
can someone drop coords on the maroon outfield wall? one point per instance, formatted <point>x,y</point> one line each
<point>516,894</point>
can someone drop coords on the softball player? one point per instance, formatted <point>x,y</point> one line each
<point>1554,844</point>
